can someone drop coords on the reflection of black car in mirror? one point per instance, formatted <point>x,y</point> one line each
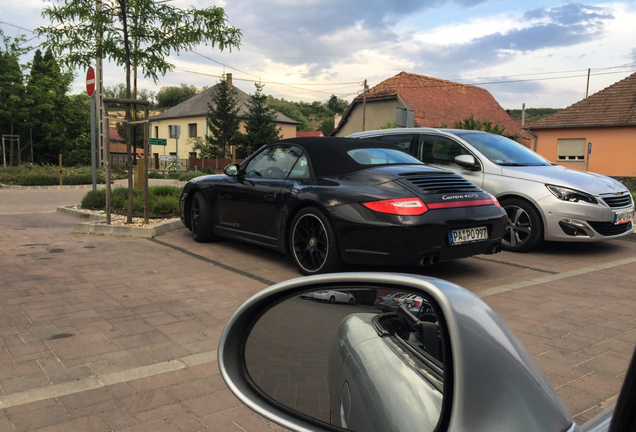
<point>407,354</point>
<point>325,202</point>
<point>452,366</point>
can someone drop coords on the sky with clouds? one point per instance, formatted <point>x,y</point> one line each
<point>536,52</point>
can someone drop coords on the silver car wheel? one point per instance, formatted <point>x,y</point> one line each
<point>524,229</point>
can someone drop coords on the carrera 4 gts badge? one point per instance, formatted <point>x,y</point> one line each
<point>460,197</point>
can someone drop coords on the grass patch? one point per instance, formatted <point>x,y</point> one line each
<point>163,201</point>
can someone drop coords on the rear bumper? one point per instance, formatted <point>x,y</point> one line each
<point>376,239</point>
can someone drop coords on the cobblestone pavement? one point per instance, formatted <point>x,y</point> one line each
<point>110,333</point>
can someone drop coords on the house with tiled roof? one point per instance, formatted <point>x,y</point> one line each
<point>597,134</point>
<point>118,147</point>
<point>190,116</point>
<point>434,102</point>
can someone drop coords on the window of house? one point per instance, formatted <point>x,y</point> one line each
<point>571,150</point>
<point>192,129</point>
<point>170,131</point>
<point>156,131</point>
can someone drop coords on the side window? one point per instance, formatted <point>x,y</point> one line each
<point>401,140</point>
<point>438,150</point>
<point>301,169</point>
<point>273,163</point>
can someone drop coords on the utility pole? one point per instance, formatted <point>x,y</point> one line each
<point>364,105</point>
<point>587,90</point>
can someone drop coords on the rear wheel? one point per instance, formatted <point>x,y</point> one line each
<point>524,228</point>
<point>201,219</point>
<point>313,243</point>
<point>351,301</point>
<point>332,299</point>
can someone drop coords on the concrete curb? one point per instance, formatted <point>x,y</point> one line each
<point>96,224</point>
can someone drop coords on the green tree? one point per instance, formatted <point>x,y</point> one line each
<point>469,123</point>
<point>132,33</point>
<point>169,96</point>
<point>12,90</point>
<point>260,124</point>
<point>337,105</point>
<point>77,143</point>
<point>48,106</point>
<point>222,121</point>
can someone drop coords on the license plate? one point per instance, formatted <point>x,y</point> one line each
<point>623,216</point>
<point>467,235</point>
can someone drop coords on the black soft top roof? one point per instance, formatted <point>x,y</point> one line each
<point>328,155</point>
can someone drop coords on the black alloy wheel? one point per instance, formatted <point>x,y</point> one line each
<point>332,300</point>
<point>201,219</point>
<point>524,228</point>
<point>313,244</point>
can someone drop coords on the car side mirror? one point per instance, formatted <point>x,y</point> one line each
<point>467,161</point>
<point>232,170</point>
<point>309,362</point>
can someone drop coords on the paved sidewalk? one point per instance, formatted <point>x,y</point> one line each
<point>108,333</point>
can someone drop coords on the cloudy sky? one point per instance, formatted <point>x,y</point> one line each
<point>536,52</point>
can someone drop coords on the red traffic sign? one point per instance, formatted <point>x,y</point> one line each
<point>90,81</point>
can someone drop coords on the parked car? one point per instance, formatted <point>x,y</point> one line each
<point>335,296</point>
<point>384,302</point>
<point>543,200</point>
<point>458,368</point>
<point>328,201</point>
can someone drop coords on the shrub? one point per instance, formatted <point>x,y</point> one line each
<point>164,205</point>
<point>189,175</point>
<point>156,175</point>
<point>94,200</point>
<point>162,201</point>
<point>39,179</point>
<point>208,170</point>
<point>173,175</point>
<point>165,191</point>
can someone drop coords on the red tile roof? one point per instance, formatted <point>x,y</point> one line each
<point>309,134</point>
<point>114,136</point>
<point>438,102</point>
<point>612,106</point>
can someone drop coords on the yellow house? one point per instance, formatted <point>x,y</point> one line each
<point>189,116</point>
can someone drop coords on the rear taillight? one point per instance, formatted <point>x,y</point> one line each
<point>415,303</point>
<point>400,206</point>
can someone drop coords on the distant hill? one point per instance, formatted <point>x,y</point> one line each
<point>533,114</point>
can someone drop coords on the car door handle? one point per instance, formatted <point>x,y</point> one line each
<point>270,196</point>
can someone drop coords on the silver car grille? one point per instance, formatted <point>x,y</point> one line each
<point>617,201</point>
<point>442,182</point>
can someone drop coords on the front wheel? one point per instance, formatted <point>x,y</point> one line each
<point>201,219</point>
<point>313,243</point>
<point>524,228</point>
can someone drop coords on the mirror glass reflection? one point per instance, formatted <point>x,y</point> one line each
<point>361,359</point>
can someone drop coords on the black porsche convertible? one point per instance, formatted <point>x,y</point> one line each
<point>331,201</point>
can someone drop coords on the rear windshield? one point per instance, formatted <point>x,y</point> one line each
<point>381,156</point>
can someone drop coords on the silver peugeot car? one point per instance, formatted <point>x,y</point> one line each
<point>543,200</point>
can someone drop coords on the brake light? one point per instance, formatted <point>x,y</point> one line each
<point>400,206</point>
<point>415,303</point>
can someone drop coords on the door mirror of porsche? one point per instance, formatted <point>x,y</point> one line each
<point>467,161</point>
<point>307,362</point>
<point>231,170</point>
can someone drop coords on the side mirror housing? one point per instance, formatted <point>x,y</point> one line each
<point>487,379</point>
<point>467,161</point>
<point>232,170</point>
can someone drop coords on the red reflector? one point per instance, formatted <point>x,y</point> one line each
<point>415,303</point>
<point>401,206</point>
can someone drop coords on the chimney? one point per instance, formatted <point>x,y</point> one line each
<point>228,78</point>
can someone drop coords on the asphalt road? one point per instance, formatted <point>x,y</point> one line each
<point>109,333</point>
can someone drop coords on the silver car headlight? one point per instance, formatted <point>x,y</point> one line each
<point>571,195</point>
